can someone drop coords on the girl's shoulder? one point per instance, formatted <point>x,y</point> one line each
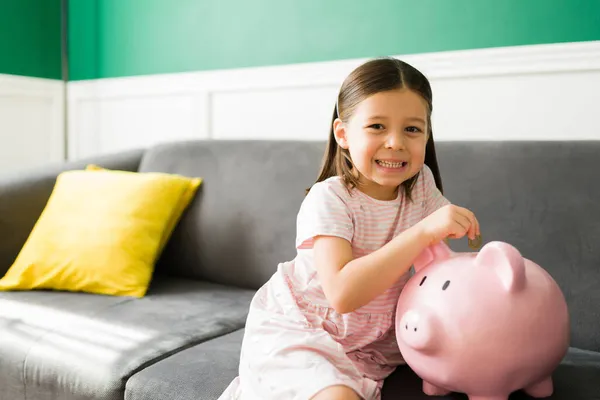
<point>327,209</point>
<point>333,187</point>
<point>329,196</point>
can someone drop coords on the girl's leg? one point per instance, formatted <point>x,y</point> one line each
<point>336,393</point>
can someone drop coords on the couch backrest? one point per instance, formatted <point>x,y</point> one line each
<point>541,197</point>
<point>242,222</point>
<point>544,199</point>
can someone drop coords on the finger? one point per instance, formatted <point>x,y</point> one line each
<point>464,223</point>
<point>475,222</point>
<point>459,227</point>
<point>473,226</point>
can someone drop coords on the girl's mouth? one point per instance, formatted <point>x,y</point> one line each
<point>391,165</point>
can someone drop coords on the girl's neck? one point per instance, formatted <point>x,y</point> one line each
<point>374,190</point>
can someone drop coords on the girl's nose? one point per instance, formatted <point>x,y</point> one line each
<point>395,141</point>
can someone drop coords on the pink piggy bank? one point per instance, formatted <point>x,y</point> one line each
<point>485,324</point>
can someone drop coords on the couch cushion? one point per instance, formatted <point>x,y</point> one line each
<point>541,197</point>
<point>56,345</point>
<point>201,372</point>
<point>576,378</point>
<point>243,220</point>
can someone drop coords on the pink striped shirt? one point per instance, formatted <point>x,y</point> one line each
<point>368,224</point>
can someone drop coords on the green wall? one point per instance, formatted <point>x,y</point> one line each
<point>113,38</point>
<point>30,32</point>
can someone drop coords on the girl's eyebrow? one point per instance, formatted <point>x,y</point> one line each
<point>418,119</point>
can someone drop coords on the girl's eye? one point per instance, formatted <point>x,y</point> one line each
<point>377,127</point>
<point>413,129</point>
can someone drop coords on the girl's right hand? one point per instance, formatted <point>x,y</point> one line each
<point>450,221</point>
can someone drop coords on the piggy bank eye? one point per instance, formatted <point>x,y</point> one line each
<point>446,285</point>
<point>423,280</point>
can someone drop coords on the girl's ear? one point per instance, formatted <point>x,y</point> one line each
<point>339,131</point>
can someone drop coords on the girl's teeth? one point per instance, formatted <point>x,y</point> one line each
<point>390,164</point>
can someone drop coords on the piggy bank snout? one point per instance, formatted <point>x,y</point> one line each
<point>416,329</point>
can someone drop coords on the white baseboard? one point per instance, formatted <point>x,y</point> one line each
<point>542,92</point>
<point>31,122</point>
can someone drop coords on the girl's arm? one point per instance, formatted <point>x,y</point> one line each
<point>352,283</point>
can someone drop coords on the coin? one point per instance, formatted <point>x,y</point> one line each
<point>475,244</point>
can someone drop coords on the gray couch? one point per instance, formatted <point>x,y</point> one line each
<point>182,340</point>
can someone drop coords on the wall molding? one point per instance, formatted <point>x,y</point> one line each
<point>516,60</point>
<point>229,103</point>
<point>31,122</point>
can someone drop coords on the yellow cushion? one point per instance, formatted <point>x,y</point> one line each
<point>101,232</point>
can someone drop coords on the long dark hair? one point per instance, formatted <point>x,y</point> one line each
<point>374,76</point>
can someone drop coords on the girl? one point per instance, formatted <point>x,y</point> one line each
<point>323,326</point>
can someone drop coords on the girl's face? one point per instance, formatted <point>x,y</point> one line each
<point>386,138</point>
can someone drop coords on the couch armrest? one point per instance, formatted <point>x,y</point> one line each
<point>23,197</point>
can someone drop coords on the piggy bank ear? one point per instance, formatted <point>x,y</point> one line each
<point>436,252</point>
<point>507,263</point>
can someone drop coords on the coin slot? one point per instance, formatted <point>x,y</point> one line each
<point>423,280</point>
